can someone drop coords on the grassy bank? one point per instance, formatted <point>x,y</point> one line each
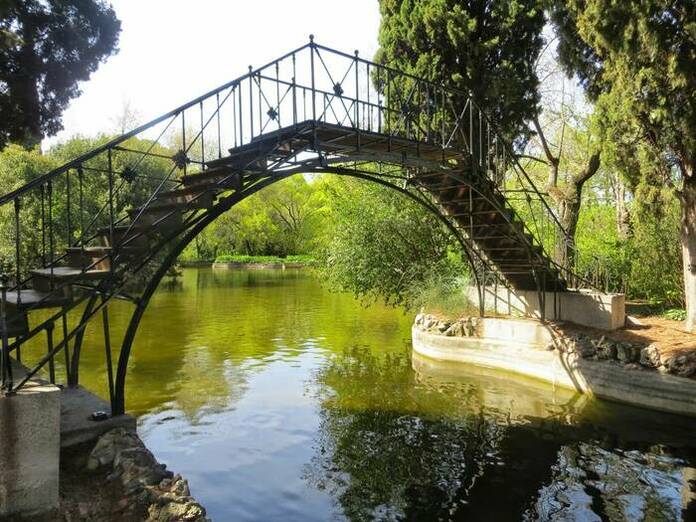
<point>269,260</point>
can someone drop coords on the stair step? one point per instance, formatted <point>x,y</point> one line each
<point>211,177</point>
<point>44,279</point>
<point>34,299</point>
<point>161,216</point>
<point>509,237</point>
<point>137,231</point>
<point>98,257</point>
<point>496,212</point>
<point>189,197</point>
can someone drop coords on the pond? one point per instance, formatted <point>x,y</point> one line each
<point>280,400</point>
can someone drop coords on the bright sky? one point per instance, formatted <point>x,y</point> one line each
<point>172,51</point>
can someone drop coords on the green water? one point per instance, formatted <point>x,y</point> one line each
<point>279,400</point>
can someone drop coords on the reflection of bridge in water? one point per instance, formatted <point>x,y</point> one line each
<point>314,110</point>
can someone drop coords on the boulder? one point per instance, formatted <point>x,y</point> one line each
<point>682,365</point>
<point>650,357</point>
<point>442,326</point>
<point>607,351</point>
<point>585,349</point>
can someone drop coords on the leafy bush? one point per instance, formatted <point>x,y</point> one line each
<point>381,245</point>
<point>675,314</point>
<point>443,294</point>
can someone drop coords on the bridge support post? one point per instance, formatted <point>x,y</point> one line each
<point>29,450</point>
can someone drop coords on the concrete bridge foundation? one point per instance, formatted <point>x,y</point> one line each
<point>29,450</point>
<point>599,310</point>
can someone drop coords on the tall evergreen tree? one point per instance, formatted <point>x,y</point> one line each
<point>46,48</point>
<point>485,47</point>
<point>637,60</point>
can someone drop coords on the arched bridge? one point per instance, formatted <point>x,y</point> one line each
<point>105,229</point>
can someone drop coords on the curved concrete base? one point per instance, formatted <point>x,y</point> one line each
<point>644,388</point>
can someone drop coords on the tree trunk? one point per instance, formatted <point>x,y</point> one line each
<point>569,214</point>
<point>622,216</point>
<point>569,202</point>
<point>688,242</point>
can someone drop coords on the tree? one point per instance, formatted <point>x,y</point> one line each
<point>637,60</point>
<point>485,47</point>
<point>46,48</point>
<point>380,244</point>
<point>566,140</point>
<point>127,118</point>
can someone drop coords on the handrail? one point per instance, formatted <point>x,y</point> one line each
<point>130,134</point>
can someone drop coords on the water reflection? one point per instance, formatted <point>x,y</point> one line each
<point>461,443</point>
<point>279,400</point>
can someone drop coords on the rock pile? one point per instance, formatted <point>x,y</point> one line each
<point>634,354</point>
<point>147,485</point>
<point>464,327</point>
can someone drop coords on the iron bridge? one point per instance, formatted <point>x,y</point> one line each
<point>313,110</point>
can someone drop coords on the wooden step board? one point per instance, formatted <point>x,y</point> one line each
<point>136,235</point>
<point>98,257</point>
<point>218,177</point>
<point>47,279</point>
<point>30,298</point>
<point>190,197</point>
<point>158,215</point>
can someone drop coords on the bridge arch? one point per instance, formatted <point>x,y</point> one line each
<point>119,396</point>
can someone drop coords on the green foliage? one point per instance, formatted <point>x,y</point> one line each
<point>675,314</point>
<point>445,292</point>
<point>601,251</point>
<point>379,244</point>
<point>282,219</point>
<point>46,49</point>
<point>18,167</point>
<point>656,257</point>
<point>638,60</point>
<point>485,47</point>
<point>240,258</point>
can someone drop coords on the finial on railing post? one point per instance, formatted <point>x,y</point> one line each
<point>5,369</point>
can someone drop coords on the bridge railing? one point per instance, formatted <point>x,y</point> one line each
<point>72,205</point>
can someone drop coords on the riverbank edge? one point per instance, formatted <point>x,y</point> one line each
<point>116,477</point>
<point>543,352</point>
<point>231,265</point>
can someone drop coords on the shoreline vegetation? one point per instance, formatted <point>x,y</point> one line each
<point>261,262</point>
